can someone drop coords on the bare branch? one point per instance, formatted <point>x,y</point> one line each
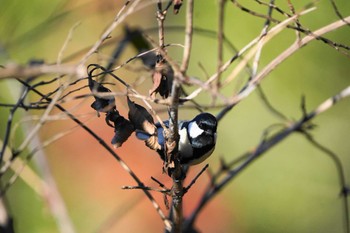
<point>341,177</point>
<point>188,37</point>
<point>24,72</point>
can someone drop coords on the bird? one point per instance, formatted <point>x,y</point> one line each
<point>197,138</point>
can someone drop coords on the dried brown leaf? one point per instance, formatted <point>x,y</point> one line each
<point>153,143</point>
<point>162,80</point>
<point>177,5</point>
<point>141,118</point>
<point>122,129</point>
<point>157,79</point>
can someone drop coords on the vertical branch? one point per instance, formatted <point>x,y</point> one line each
<point>297,23</point>
<point>220,35</point>
<point>172,155</point>
<point>261,42</point>
<point>172,152</point>
<point>188,36</point>
<point>171,163</point>
<point>160,18</point>
<point>220,40</point>
<point>177,173</point>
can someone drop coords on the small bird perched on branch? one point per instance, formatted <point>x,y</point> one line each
<point>197,138</point>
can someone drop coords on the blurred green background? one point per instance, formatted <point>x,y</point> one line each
<point>292,188</point>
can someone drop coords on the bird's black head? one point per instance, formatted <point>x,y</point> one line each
<point>199,141</point>
<point>206,122</point>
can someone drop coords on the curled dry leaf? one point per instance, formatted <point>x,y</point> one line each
<point>122,128</point>
<point>144,124</point>
<point>101,103</point>
<point>141,118</point>
<point>162,72</point>
<point>177,5</point>
<point>162,79</point>
<point>153,143</point>
<point>157,80</point>
<point>166,82</point>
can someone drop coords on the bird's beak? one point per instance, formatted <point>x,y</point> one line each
<point>209,131</point>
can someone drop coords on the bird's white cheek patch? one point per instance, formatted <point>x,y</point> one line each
<point>185,146</point>
<point>183,136</point>
<point>194,130</point>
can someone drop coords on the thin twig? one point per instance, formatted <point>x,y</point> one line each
<point>65,44</point>
<point>220,36</point>
<point>341,177</point>
<point>261,42</point>
<point>24,72</point>
<point>164,191</point>
<point>297,23</point>
<point>196,178</point>
<point>337,12</point>
<point>160,19</point>
<point>9,123</point>
<point>268,104</point>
